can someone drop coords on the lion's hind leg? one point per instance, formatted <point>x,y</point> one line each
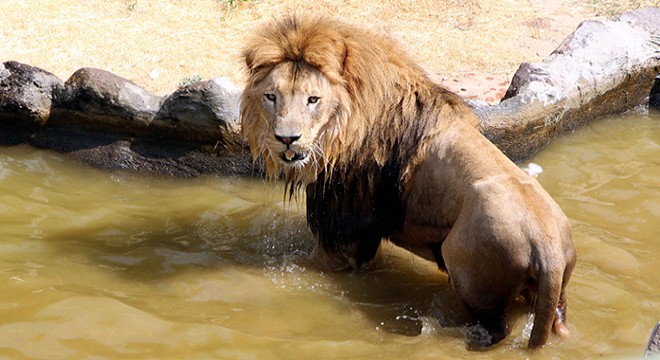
<point>559,325</point>
<point>486,279</point>
<point>490,330</point>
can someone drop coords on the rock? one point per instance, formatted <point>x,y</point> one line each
<point>146,156</point>
<point>604,67</point>
<point>653,346</point>
<point>202,111</point>
<point>98,100</point>
<point>110,122</point>
<point>645,19</point>
<point>26,94</point>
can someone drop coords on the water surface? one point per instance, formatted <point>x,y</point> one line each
<point>97,264</point>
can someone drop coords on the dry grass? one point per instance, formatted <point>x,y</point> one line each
<point>158,43</point>
<point>611,8</point>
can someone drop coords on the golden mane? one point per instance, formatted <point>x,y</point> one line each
<point>390,105</point>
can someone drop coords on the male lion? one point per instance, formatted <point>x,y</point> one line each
<point>385,153</point>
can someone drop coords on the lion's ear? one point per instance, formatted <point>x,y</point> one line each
<point>342,54</point>
<point>255,60</point>
<point>337,65</point>
<point>248,57</point>
<point>259,60</point>
<point>329,57</point>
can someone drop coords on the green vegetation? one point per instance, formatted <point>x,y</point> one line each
<point>190,80</point>
<point>231,3</point>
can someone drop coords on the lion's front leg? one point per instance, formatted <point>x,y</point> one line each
<point>340,255</point>
<point>349,218</point>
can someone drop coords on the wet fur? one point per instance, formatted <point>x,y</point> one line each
<point>401,158</point>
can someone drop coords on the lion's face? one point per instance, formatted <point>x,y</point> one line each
<point>297,115</point>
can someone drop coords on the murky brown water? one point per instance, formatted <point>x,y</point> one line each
<point>107,265</point>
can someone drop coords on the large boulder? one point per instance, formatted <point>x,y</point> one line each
<point>604,67</point>
<point>98,100</point>
<point>26,94</point>
<point>202,111</point>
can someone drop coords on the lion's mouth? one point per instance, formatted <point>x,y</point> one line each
<point>289,156</point>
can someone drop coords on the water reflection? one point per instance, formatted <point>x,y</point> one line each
<point>109,264</point>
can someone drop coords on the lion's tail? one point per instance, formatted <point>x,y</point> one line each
<point>550,283</point>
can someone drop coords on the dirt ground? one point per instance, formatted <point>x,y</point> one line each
<point>471,46</point>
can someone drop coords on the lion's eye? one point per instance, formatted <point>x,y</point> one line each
<point>270,97</point>
<point>313,99</point>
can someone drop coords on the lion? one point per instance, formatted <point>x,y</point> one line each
<point>384,153</point>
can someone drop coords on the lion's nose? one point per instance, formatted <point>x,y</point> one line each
<point>287,140</point>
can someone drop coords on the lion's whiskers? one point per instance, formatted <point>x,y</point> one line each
<point>317,152</point>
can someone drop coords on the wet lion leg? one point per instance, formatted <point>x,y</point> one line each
<point>345,255</point>
<point>491,329</point>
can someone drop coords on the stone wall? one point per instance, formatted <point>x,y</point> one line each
<point>108,121</point>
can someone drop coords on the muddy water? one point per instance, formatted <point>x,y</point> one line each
<point>105,265</point>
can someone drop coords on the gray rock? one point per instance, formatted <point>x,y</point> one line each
<point>653,346</point>
<point>147,156</point>
<point>26,94</point>
<point>96,99</point>
<point>645,19</point>
<point>604,67</point>
<point>202,111</point>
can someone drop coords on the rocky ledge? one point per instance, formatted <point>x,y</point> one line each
<point>603,68</point>
<point>108,121</point>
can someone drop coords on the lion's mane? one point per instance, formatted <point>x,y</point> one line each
<point>378,134</point>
